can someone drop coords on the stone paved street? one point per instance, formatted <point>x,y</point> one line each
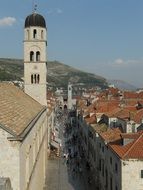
<point>59,178</point>
<point>67,173</point>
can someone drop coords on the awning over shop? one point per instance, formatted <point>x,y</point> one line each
<point>56,133</point>
<point>57,140</point>
<point>54,144</point>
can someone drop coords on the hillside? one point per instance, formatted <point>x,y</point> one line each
<point>122,85</point>
<point>58,73</point>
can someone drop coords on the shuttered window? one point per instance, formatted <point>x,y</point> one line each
<point>141,173</point>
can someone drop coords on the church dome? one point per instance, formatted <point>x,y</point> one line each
<point>35,20</point>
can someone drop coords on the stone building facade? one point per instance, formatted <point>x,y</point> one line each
<point>35,57</point>
<point>115,156</point>
<point>25,118</point>
<point>23,134</point>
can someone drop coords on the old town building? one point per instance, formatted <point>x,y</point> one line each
<point>111,136</point>
<point>26,117</point>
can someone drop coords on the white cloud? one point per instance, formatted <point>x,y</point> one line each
<point>59,11</point>
<point>7,21</point>
<point>124,63</point>
<point>55,11</point>
<point>119,62</point>
<point>50,11</point>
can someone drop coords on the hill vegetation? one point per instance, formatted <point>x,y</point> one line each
<point>58,73</point>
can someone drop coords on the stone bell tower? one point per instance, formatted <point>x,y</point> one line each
<point>69,96</point>
<point>35,57</point>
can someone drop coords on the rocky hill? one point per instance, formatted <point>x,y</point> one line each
<point>122,85</point>
<point>58,73</point>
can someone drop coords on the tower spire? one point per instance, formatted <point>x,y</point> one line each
<point>34,6</point>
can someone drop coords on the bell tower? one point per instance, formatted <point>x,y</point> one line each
<point>69,96</point>
<point>35,57</point>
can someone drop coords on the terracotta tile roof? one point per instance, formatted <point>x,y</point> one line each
<point>131,95</point>
<point>106,106</point>
<point>113,112</point>
<point>91,120</point>
<point>131,102</point>
<point>132,150</point>
<point>113,91</point>
<point>81,104</point>
<point>123,114</point>
<point>17,109</point>
<point>99,128</point>
<point>138,116</point>
<point>130,135</point>
<point>90,109</point>
<point>131,108</point>
<point>140,95</point>
<point>112,134</point>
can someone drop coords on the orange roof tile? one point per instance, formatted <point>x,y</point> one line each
<point>138,116</point>
<point>17,109</point>
<point>91,120</point>
<point>131,95</point>
<point>106,106</point>
<point>112,134</point>
<point>132,150</point>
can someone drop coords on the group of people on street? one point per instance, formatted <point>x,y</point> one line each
<point>72,153</point>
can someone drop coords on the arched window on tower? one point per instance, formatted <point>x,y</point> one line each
<point>31,56</point>
<point>37,56</point>
<point>35,78</point>
<point>31,79</point>
<point>38,78</point>
<point>42,34</point>
<point>27,35</point>
<point>35,34</point>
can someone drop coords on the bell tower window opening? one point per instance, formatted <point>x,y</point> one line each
<point>27,34</point>
<point>38,78</point>
<point>42,34</point>
<point>31,56</point>
<point>34,33</point>
<point>31,79</point>
<point>35,79</point>
<point>37,56</point>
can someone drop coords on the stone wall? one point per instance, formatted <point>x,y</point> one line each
<point>9,159</point>
<point>131,174</point>
<point>33,156</point>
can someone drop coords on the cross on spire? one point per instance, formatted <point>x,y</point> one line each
<point>35,8</point>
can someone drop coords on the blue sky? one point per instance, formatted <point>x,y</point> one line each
<point>104,37</point>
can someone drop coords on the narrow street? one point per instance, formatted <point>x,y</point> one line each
<point>67,172</point>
